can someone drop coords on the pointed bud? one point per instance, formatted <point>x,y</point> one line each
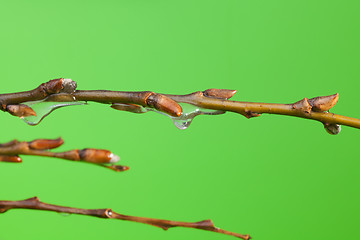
<point>20,110</point>
<point>98,156</point>
<point>5,158</point>
<point>324,103</point>
<point>42,144</point>
<point>164,104</point>
<point>219,93</point>
<point>129,107</point>
<point>332,128</point>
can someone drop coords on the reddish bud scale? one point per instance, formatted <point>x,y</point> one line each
<point>42,144</point>
<point>324,103</point>
<point>20,110</point>
<point>95,155</point>
<point>16,159</point>
<point>164,104</point>
<point>128,107</point>
<point>53,86</point>
<point>219,93</point>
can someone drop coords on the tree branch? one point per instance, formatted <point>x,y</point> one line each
<point>61,90</point>
<point>35,203</point>
<point>9,152</point>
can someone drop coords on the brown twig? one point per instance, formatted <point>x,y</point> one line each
<point>217,99</point>
<point>9,152</point>
<point>35,203</point>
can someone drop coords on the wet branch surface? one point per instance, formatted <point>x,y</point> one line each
<point>36,204</point>
<point>217,99</point>
<point>9,152</point>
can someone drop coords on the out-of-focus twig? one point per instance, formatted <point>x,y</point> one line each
<point>36,204</point>
<point>9,152</point>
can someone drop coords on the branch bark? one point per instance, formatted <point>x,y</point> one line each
<point>217,99</point>
<point>36,204</point>
<point>9,152</point>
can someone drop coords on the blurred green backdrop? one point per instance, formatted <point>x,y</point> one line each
<point>274,177</point>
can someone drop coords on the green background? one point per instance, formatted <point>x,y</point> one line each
<point>274,177</point>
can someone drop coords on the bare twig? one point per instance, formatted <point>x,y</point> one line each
<point>9,152</point>
<point>35,203</point>
<point>217,99</point>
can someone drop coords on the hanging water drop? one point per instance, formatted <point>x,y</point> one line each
<point>44,107</point>
<point>189,113</point>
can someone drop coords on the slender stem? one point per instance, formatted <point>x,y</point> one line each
<point>217,99</point>
<point>36,204</point>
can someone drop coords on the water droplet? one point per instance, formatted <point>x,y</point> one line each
<point>44,107</point>
<point>189,113</point>
<point>64,214</point>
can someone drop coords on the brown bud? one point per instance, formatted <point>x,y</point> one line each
<point>42,144</point>
<point>5,158</point>
<point>53,86</point>
<point>20,110</point>
<point>324,103</point>
<point>129,107</point>
<point>219,93</point>
<point>303,105</point>
<point>98,156</point>
<point>164,104</point>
